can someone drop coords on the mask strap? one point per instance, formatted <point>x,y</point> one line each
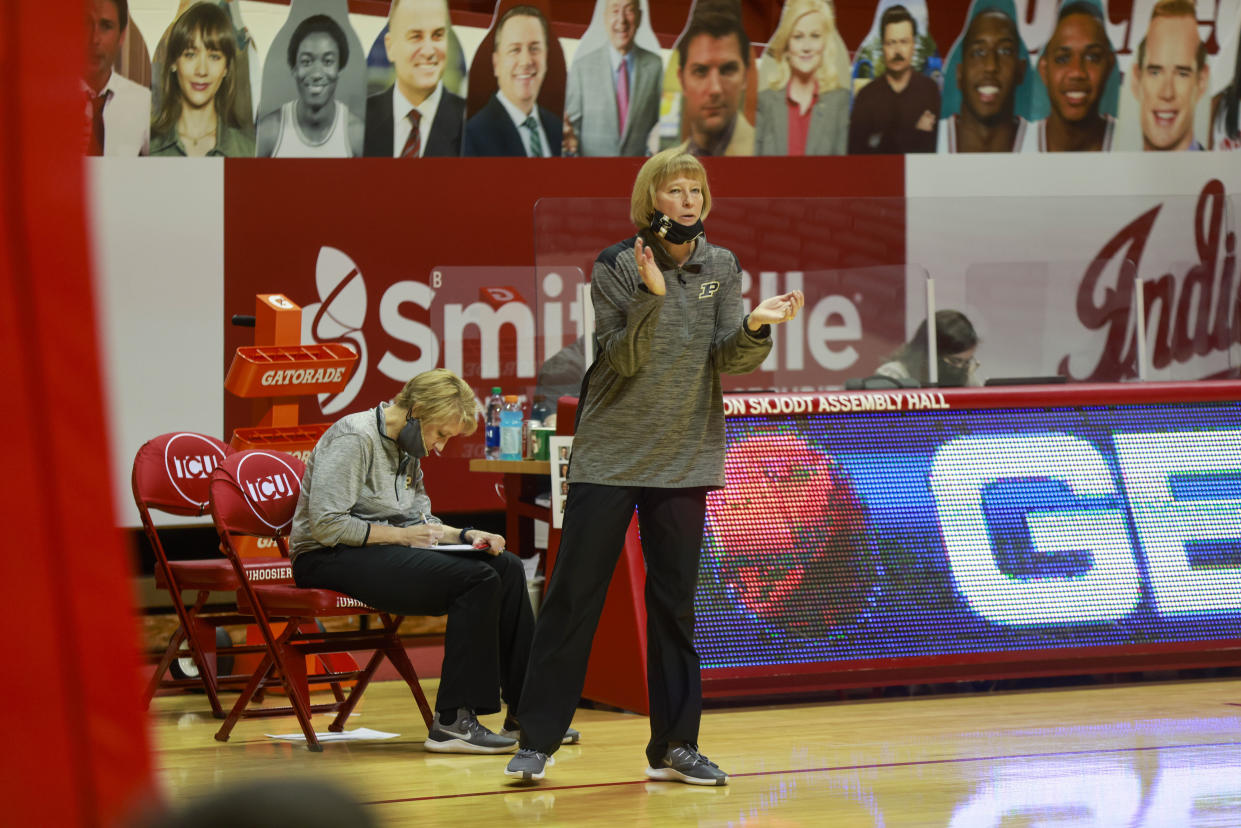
<point>379,420</point>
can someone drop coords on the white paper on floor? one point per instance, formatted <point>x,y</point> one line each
<point>355,735</point>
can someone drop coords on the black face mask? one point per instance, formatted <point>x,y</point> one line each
<point>410,438</point>
<point>673,231</point>
<point>953,376</point>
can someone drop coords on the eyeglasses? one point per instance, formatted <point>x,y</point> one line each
<point>965,363</point>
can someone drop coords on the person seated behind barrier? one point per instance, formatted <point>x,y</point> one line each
<point>560,375</point>
<point>955,343</point>
<point>361,527</point>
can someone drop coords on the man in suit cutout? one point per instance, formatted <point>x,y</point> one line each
<point>118,111</point>
<point>714,58</point>
<point>512,123</point>
<point>594,101</point>
<point>416,43</point>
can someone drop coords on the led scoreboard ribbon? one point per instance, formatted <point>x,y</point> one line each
<point>973,522</point>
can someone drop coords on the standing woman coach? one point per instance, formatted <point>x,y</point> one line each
<point>668,314</point>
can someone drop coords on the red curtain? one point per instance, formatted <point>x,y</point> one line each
<point>76,746</point>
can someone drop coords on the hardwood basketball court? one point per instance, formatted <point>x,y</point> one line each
<point>1149,754</point>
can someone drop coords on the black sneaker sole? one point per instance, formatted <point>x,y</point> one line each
<point>462,746</point>
<point>673,775</point>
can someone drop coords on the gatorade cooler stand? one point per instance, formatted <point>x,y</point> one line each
<point>274,372</point>
<point>278,369</point>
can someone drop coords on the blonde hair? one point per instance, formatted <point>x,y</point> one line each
<point>440,396</point>
<point>828,74</point>
<point>660,167</point>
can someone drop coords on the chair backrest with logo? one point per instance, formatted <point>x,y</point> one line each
<point>255,492</point>
<point>172,472</point>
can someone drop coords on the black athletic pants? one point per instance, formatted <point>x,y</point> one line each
<point>490,624</point>
<point>596,519</point>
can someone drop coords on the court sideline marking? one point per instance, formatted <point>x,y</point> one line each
<point>518,789</point>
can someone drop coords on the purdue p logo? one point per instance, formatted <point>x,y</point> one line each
<point>708,290</point>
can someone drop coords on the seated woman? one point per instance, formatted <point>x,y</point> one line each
<point>363,526</point>
<point>955,345</point>
<point>315,124</point>
<point>197,85</point>
<point>805,110</point>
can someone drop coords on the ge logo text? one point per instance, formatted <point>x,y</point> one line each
<point>1109,587</point>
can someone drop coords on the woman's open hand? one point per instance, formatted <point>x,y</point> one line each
<point>652,276</point>
<point>776,309</point>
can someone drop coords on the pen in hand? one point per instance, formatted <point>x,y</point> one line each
<point>435,528</point>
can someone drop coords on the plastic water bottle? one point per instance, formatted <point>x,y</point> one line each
<point>510,429</point>
<point>492,423</point>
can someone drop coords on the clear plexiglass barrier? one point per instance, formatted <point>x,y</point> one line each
<point>507,326</point>
<point>906,291</point>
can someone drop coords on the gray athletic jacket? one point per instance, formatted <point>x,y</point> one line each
<point>351,481</point>
<point>653,410</point>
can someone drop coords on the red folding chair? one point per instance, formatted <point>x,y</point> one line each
<point>170,475</point>
<point>254,493</point>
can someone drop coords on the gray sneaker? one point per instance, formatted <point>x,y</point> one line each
<point>683,763</point>
<point>465,735</point>
<point>528,765</point>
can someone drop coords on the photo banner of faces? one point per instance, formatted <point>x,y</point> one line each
<point>319,92</point>
<point>560,450</point>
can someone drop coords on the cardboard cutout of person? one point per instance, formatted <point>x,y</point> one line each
<point>1226,104</point>
<point>519,118</point>
<point>613,94</point>
<point>992,83</point>
<point>1076,67</point>
<point>314,83</point>
<point>198,89</point>
<point>416,115</point>
<point>244,73</point>
<point>895,102</point>
<point>715,69</point>
<point>803,106</point>
<point>117,112</point>
<point>1170,77</point>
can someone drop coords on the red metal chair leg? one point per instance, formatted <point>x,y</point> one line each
<point>338,724</point>
<point>400,660</point>
<point>170,653</point>
<point>291,667</point>
<point>202,649</point>
<point>261,672</point>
